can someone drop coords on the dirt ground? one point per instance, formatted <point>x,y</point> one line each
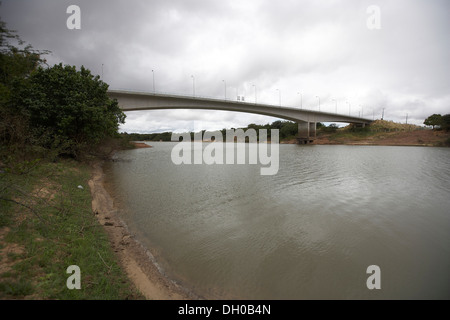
<point>141,145</point>
<point>401,138</point>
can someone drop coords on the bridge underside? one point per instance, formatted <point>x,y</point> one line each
<point>306,119</point>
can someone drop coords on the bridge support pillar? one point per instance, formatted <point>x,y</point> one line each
<point>306,132</point>
<point>312,130</point>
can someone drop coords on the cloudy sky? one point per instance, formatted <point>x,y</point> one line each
<point>340,52</point>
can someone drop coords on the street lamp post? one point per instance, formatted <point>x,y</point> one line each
<point>153,73</point>
<point>225,88</point>
<point>193,85</point>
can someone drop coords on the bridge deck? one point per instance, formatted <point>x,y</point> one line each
<point>132,101</point>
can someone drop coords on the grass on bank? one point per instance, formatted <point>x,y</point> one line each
<point>344,135</point>
<point>46,225</point>
<point>380,130</point>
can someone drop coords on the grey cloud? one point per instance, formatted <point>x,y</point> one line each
<point>316,48</point>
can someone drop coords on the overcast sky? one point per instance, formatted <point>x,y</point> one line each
<point>296,50</point>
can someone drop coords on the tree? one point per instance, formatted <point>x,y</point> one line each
<point>320,125</point>
<point>277,124</point>
<point>331,128</point>
<point>433,120</point>
<point>70,108</point>
<point>17,62</point>
<point>288,129</point>
<point>445,122</point>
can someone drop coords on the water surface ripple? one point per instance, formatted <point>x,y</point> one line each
<point>308,232</point>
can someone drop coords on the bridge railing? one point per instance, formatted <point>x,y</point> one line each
<point>215,98</point>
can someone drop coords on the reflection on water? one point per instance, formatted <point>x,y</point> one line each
<point>308,232</point>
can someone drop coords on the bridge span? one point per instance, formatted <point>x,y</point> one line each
<point>306,119</point>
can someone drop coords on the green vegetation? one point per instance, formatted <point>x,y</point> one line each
<point>51,111</point>
<point>321,128</point>
<point>164,136</point>
<point>391,126</point>
<point>382,132</point>
<point>288,129</point>
<point>439,121</point>
<point>445,122</point>
<point>48,225</point>
<point>66,109</point>
<point>433,120</point>
<point>349,133</point>
<point>375,127</point>
<point>52,118</point>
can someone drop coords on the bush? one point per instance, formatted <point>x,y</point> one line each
<point>67,110</point>
<point>445,122</point>
<point>433,120</point>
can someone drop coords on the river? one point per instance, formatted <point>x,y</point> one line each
<point>308,232</point>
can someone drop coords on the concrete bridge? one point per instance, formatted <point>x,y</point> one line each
<point>306,119</point>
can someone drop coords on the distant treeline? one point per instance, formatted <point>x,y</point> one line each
<point>287,130</point>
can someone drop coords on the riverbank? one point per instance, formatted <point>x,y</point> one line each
<point>47,225</point>
<point>135,260</point>
<point>54,215</point>
<point>140,145</point>
<point>427,138</point>
<point>418,138</point>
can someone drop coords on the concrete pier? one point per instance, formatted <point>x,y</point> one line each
<point>306,132</point>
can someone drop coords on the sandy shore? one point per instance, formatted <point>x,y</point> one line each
<point>141,145</point>
<point>133,257</point>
